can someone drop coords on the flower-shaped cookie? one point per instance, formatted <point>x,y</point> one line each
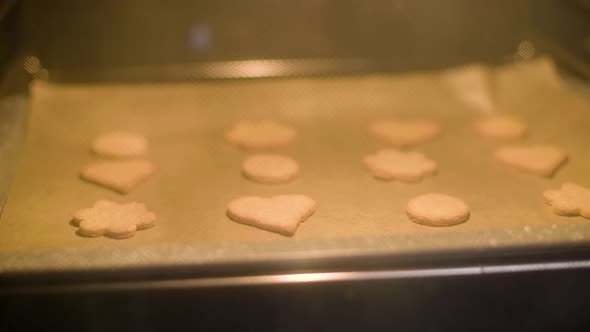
<point>260,135</point>
<point>405,132</point>
<point>113,220</point>
<point>570,200</point>
<point>389,164</point>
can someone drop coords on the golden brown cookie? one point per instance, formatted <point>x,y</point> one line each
<point>113,220</point>
<point>570,200</point>
<point>390,164</point>
<point>542,160</point>
<point>260,135</point>
<point>119,175</point>
<point>120,144</point>
<point>270,168</point>
<point>280,214</point>
<point>500,126</point>
<point>403,133</point>
<point>437,210</point>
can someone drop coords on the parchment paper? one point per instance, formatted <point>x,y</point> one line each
<point>199,173</point>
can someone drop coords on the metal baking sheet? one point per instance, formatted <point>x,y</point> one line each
<point>198,173</point>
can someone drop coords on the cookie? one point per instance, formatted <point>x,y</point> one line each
<point>437,210</point>
<point>500,126</point>
<point>472,84</point>
<point>114,220</point>
<point>571,200</point>
<point>270,168</point>
<point>389,164</point>
<point>120,144</point>
<point>119,175</point>
<point>403,133</point>
<point>260,135</point>
<point>280,214</point>
<point>542,160</point>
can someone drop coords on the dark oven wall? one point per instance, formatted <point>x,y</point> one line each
<point>565,25</point>
<point>9,33</point>
<point>401,34</point>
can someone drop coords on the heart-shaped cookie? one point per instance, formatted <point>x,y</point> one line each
<point>406,132</point>
<point>122,176</point>
<point>280,214</point>
<point>538,159</point>
<point>260,135</point>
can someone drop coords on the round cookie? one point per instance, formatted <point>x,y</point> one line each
<point>500,127</point>
<point>403,133</point>
<point>437,210</point>
<point>260,135</point>
<point>270,168</point>
<point>390,164</point>
<point>120,144</point>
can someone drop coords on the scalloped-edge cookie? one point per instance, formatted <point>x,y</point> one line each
<point>403,133</point>
<point>390,164</point>
<point>270,168</point>
<point>280,214</point>
<point>437,210</point>
<point>540,159</point>
<point>120,144</point>
<point>113,220</point>
<point>260,135</point>
<point>570,200</point>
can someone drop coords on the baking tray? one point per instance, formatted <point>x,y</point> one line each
<point>198,173</point>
